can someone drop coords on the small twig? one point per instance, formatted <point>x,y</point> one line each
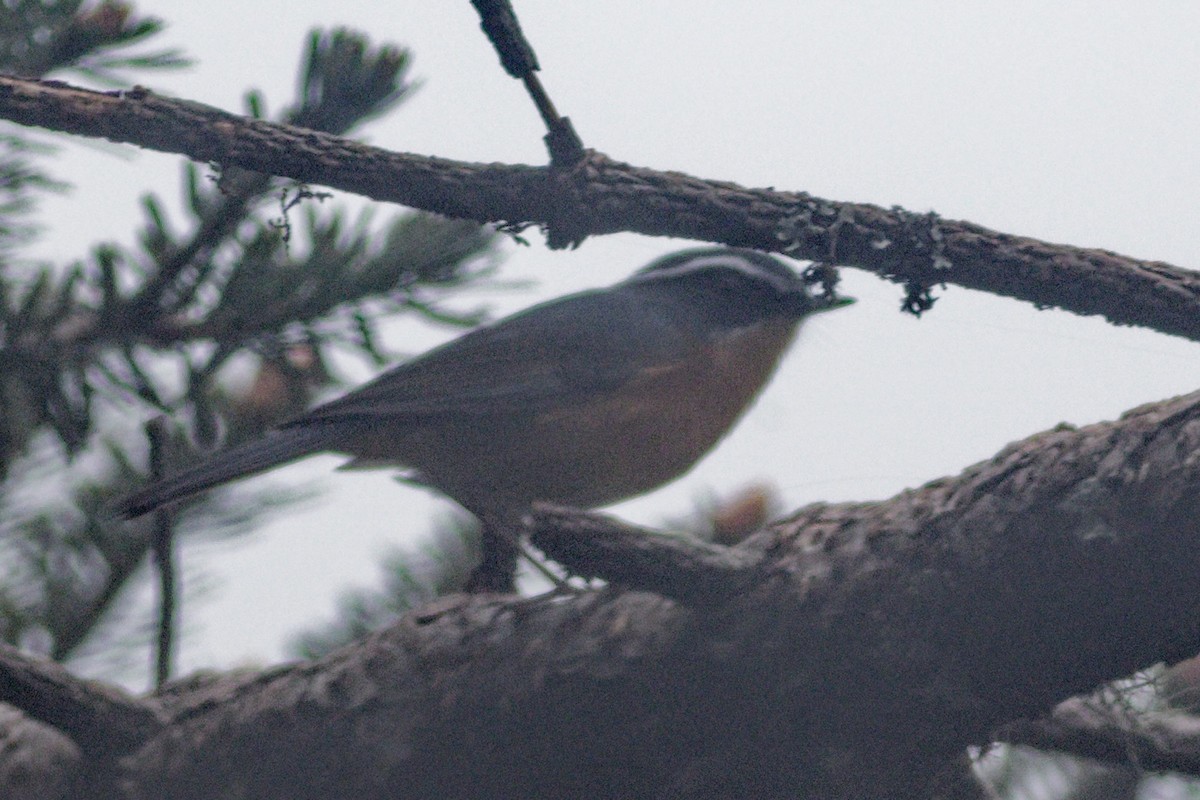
<point>542,100</point>
<point>161,546</point>
<point>545,571</point>
<point>499,22</point>
<point>593,545</point>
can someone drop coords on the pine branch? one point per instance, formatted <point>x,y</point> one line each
<point>603,196</point>
<point>66,340</point>
<point>42,36</point>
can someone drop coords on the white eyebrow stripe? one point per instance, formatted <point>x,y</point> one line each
<point>726,260</point>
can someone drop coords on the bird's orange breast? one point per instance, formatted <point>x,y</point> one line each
<point>597,451</point>
<point>658,424</point>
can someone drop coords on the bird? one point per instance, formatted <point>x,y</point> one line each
<point>583,401</point>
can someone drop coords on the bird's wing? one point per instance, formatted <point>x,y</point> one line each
<point>551,355</point>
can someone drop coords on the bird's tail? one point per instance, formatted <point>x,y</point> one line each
<point>277,447</point>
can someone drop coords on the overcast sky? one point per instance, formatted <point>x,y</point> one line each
<point>1072,122</point>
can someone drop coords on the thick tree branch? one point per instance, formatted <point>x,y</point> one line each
<point>37,762</point>
<point>908,629</point>
<point>103,721</point>
<point>600,196</point>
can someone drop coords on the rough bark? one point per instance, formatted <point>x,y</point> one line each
<point>864,648</point>
<point>37,762</point>
<point>600,195</point>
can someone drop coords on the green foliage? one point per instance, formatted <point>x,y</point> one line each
<point>257,264</point>
<point>20,183</point>
<point>40,36</point>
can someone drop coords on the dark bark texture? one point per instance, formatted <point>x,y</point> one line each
<point>866,646</point>
<point>599,195</point>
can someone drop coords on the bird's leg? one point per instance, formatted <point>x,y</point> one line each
<point>503,542</point>
<point>497,570</point>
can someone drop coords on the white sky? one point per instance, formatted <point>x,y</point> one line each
<point>1072,122</point>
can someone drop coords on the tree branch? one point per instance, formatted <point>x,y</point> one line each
<point>39,762</point>
<point>692,572</point>
<point>601,196</point>
<point>103,721</point>
<point>909,629</point>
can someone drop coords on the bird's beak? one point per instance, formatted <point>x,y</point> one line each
<point>829,304</point>
<point>808,304</point>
